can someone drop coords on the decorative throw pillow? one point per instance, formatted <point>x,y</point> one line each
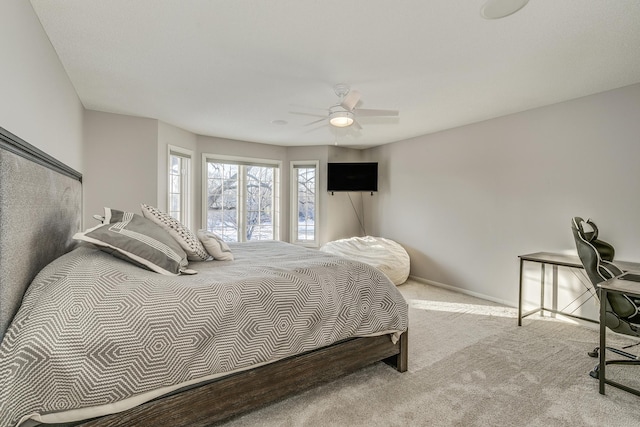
<point>214,244</point>
<point>185,237</point>
<point>139,241</point>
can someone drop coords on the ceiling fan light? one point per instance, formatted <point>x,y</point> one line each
<point>341,122</point>
<point>341,119</point>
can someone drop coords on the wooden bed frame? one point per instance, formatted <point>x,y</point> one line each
<point>226,397</point>
<point>204,404</point>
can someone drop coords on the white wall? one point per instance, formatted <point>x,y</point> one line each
<point>169,135</point>
<point>345,211</point>
<point>121,160</point>
<point>39,104</point>
<point>126,164</point>
<point>467,201</point>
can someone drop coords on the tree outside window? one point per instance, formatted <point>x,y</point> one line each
<point>242,200</point>
<point>304,202</point>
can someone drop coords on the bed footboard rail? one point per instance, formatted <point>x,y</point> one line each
<point>219,400</point>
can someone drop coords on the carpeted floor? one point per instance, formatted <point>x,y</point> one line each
<point>470,365</point>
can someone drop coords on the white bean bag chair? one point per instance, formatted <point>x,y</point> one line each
<point>383,254</point>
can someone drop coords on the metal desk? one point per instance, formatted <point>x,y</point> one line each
<point>556,260</point>
<point>614,285</point>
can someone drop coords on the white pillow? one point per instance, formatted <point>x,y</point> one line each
<point>214,244</point>
<point>185,237</point>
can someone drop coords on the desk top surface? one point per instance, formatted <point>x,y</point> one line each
<point>552,258</point>
<point>622,286</point>
<point>572,260</point>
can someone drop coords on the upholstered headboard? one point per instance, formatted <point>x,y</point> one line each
<point>40,210</point>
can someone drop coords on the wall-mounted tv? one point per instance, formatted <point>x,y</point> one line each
<point>361,176</point>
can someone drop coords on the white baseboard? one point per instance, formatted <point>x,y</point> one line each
<point>462,291</point>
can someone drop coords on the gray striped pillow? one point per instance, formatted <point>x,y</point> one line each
<point>140,241</point>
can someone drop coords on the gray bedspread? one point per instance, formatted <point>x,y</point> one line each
<point>96,335</point>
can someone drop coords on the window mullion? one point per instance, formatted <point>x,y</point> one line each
<point>275,204</point>
<point>242,203</point>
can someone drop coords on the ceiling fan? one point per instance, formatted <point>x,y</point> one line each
<point>496,9</point>
<point>345,111</point>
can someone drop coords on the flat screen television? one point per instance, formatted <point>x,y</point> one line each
<point>362,176</point>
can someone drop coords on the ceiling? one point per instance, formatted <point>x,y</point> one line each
<point>259,70</point>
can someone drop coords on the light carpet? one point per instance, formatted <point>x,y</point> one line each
<point>470,365</point>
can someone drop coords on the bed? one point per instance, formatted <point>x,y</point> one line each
<point>155,357</point>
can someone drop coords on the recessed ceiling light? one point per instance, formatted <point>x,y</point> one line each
<point>279,122</point>
<point>496,9</point>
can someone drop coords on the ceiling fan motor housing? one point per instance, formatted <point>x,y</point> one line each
<point>341,90</point>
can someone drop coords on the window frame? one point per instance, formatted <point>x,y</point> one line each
<point>242,162</point>
<point>186,183</point>
<point>293,218</point>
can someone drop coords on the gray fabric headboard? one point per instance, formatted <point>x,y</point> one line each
<point>40,210</point>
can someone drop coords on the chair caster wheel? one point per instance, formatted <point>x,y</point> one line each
<point>595,373</point>
<point>593,353</point>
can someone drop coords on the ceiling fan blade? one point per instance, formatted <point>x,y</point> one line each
<point>316,121</point>
<point>307,114</point>
<point>307,107</point>
<point>356,125</point>
<point>351,100</point>
<point>316,128</point>
<point>362,112</point>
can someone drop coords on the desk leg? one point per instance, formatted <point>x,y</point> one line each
<point>520,296</point>
<point>554,289</point>
<point>542,284</point>
<point>603,341</point>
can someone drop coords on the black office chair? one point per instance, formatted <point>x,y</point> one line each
<point>622,312</point>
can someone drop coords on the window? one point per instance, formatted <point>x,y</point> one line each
<point>242,198</point>
<point>304,202</point>
<point>179,184</point>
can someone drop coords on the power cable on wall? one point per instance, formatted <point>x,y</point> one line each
<point>355,211</point>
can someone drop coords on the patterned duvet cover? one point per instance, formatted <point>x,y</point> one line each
<point>96,335</point>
